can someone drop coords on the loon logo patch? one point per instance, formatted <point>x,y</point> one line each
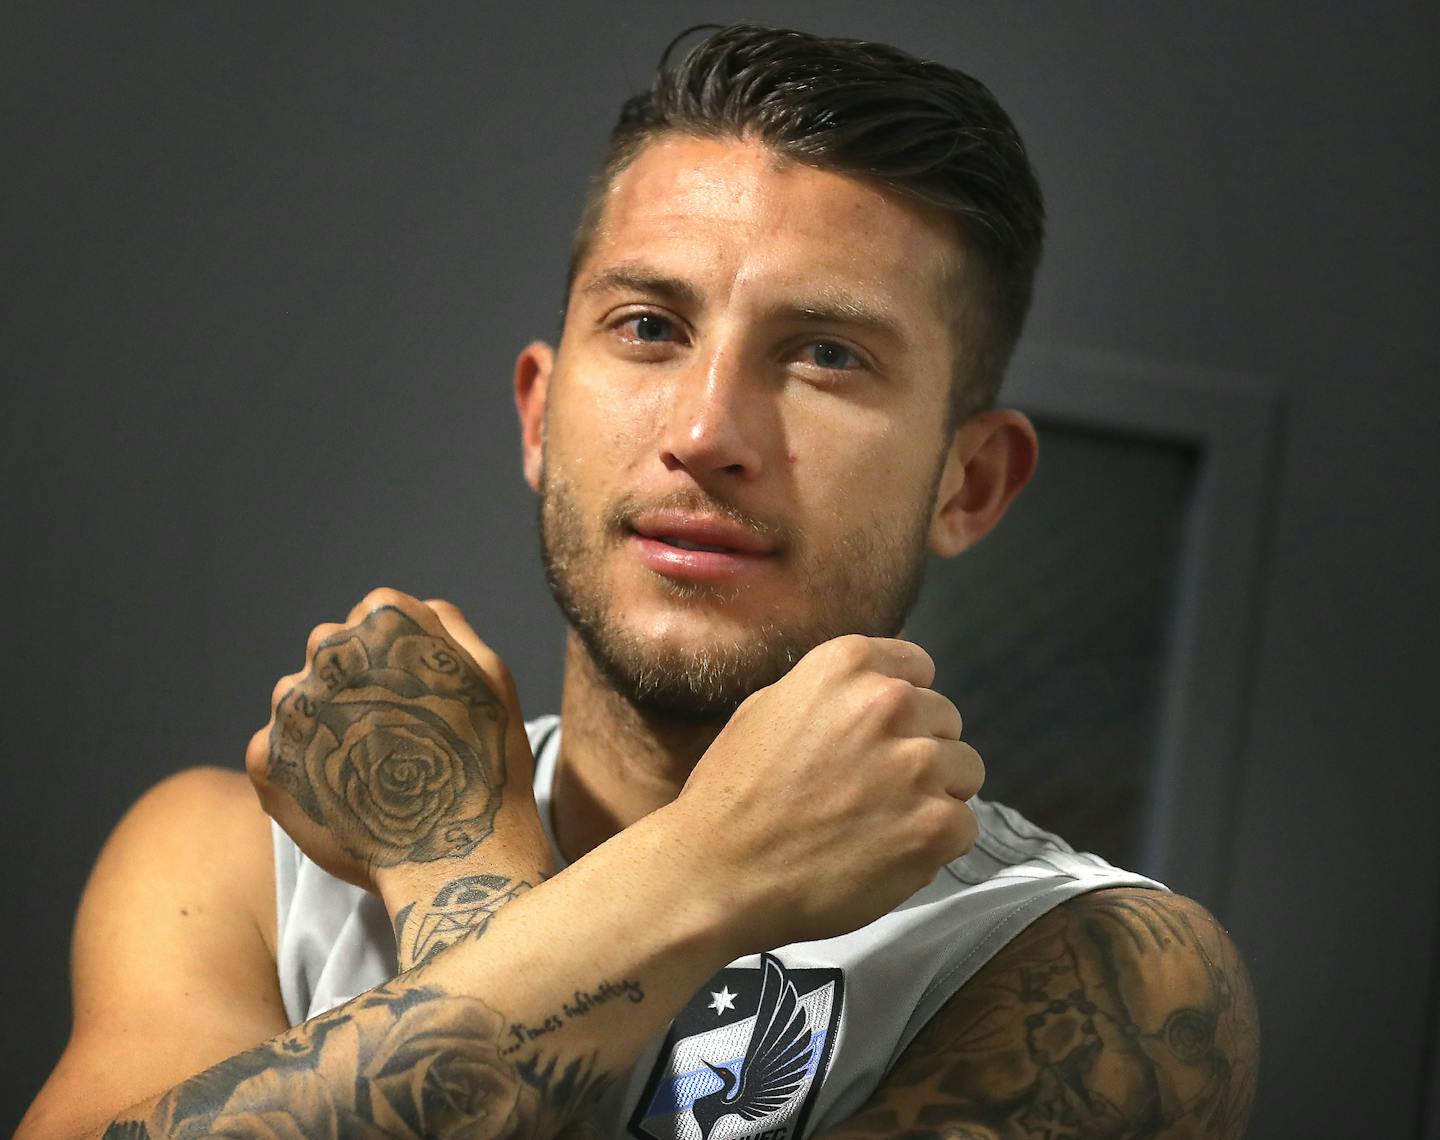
<point>745,1058</point>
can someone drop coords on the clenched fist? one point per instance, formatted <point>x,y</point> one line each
<point>832,795</point>
<point>399,745</point>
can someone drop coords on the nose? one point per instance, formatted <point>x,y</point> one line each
<point>716,420</point>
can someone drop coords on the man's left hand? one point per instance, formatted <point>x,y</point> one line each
<point>400,750</point>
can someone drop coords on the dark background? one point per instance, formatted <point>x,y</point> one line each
<point>264,269</point>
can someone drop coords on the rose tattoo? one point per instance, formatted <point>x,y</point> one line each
<point>395,1062</point>
<point>394,742</point>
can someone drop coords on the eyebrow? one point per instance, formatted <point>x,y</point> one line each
<point>827,307</point>
<point>834,308</point>
<point>636,279</point>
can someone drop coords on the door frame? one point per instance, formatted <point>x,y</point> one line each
<point>1232,423</point>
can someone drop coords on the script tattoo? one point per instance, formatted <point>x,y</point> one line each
<point>582,1002</point>
<point>402,1060</point>
<point>1127,1013</point>
<point>393,742</point>
<point>463,908</point>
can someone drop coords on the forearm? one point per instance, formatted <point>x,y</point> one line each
<point>509,1034</point>
<point>436,912</point>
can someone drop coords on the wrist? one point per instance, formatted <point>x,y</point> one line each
<point>705,900</point>
<point>433,905</point>
<point>404,883</point>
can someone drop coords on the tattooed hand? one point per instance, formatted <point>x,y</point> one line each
<point>391,753</point>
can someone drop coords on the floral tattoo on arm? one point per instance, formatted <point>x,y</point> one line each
<point>405,1059</point>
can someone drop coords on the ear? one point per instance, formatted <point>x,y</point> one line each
<point>991,458</point>
<point>532,382</point>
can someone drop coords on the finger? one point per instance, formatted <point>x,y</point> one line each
<point>965,830</point>
<point>379,599</point>
<point>257,754</point>
<point>903,659</point>
<point>464,635</point>
<point>318,636</point>
<point>962,772</point>
<point>283,689</point>
<point>937,716</point>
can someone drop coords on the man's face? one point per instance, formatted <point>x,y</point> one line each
<point>744,421</point>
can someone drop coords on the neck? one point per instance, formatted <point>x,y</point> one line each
<point>617,764</point>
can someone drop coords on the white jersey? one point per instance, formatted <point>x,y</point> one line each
<point>788,1043</point>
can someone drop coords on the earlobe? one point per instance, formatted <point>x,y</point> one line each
<point>991,458</point>
<point>532,382</point>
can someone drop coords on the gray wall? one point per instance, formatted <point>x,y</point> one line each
<point>263,270</point>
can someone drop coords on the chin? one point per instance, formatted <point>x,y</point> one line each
<point>690,668</point>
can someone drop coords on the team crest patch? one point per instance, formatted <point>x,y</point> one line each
<point>744,1060</point>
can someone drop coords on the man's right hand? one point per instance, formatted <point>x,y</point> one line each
<point>833,794</point>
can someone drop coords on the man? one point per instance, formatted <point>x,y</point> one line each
<point>752,892</point>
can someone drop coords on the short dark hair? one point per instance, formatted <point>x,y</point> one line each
<point>919,128</point>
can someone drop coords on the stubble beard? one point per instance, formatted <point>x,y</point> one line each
<point>867,586</point>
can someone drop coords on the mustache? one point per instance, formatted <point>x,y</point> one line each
<point>697,502</point>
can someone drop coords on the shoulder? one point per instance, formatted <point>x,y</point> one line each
<point>1156,965</point>
<point>224,790</point>
<point>197,811</point>
<point>200,834</point>
<point>1122,1011</point>
<point>173,963</point>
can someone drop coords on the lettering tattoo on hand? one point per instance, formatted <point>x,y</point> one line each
<point>462,909</point>
<point>393,742</point>
<point>402,1060</point>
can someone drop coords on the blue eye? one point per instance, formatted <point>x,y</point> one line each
<point>651,329</point>
<point>828,354</point>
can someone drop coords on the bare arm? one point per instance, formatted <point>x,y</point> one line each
<point>172,962</point>
<point>1123,1013</point>
<point>385,759</point>
<point>180,1031</point>
<point>389,756</point>
<point>508,1032</point>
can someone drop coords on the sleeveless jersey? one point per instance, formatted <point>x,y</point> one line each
<point>778,1046</point>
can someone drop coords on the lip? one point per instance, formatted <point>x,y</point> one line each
<point>653,534</point>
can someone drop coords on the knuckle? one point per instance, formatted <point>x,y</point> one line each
<point>951,708</point>
<point>915,759</point>
<point>973,773</point>
<point>318,636</point>
<point>257,756</point>
<point>381,597</point>
<point>923,759</point>
<point>282,689</point>
<point>848,651</point>
<point>888,698</point>
<point>934,827</point>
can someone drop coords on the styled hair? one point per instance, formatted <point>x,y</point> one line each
<point>867,110</point>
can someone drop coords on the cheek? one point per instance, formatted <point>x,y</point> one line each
<point>852,469</point>
<point>604,422</point>
<point>873,487</point>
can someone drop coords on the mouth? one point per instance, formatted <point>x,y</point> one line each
<point>698,548</point>
<point>685,544</point>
